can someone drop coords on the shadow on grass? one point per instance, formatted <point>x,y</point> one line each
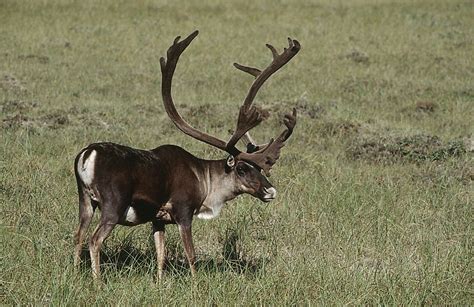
<point>126,257</point>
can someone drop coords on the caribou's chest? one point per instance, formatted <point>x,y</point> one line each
<point>210,208</point>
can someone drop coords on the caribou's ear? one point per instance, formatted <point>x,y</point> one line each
<point>230,161</point>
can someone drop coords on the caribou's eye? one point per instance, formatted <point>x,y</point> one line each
<point>241,170</point>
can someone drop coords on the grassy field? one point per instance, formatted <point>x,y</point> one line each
<point>375,200</point>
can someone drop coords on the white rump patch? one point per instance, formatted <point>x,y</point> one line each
<point>86,168</point>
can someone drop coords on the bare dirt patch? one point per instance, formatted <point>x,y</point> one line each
<point>310,110</point>
<point>82,116</point>
<point>444,173</point>
<point>51,120</point>
<point>415,148</point>
<point>42,59</point>
<point>15,121</point>
<point>339,128</point>
<point>12,106</point>
<point>54,120</point>
<point>304,108</point>
<point>357,56</point>
<point>10,83</point>
<point>426,106</point>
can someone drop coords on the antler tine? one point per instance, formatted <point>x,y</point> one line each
<point>290,122</point>
<point>265,156</point>
<point>251,70</point>
<point>249,143</point>
<point>168,67</point>
<point>273,50</point>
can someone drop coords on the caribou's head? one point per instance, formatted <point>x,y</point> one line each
<point>249,167</point>
<point>249,179</point>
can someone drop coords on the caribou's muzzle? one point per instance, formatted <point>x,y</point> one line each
<point>269,195</point>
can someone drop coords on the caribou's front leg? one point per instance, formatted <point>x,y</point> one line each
<point>186,236</point>
<point>159,236</point>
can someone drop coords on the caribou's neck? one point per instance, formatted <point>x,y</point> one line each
<point>220,188</point>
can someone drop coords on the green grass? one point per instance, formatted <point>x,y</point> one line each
<point>375,200</point>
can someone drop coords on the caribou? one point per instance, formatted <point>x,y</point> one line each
<point>168,185</point>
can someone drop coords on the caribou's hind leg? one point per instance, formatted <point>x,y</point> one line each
<point>111,211</point>
<point>102,231</point>
<point>87,207</point>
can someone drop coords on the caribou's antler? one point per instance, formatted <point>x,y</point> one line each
<point>249,116</point>
<point>168,66</point>
<point>266,155</point>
